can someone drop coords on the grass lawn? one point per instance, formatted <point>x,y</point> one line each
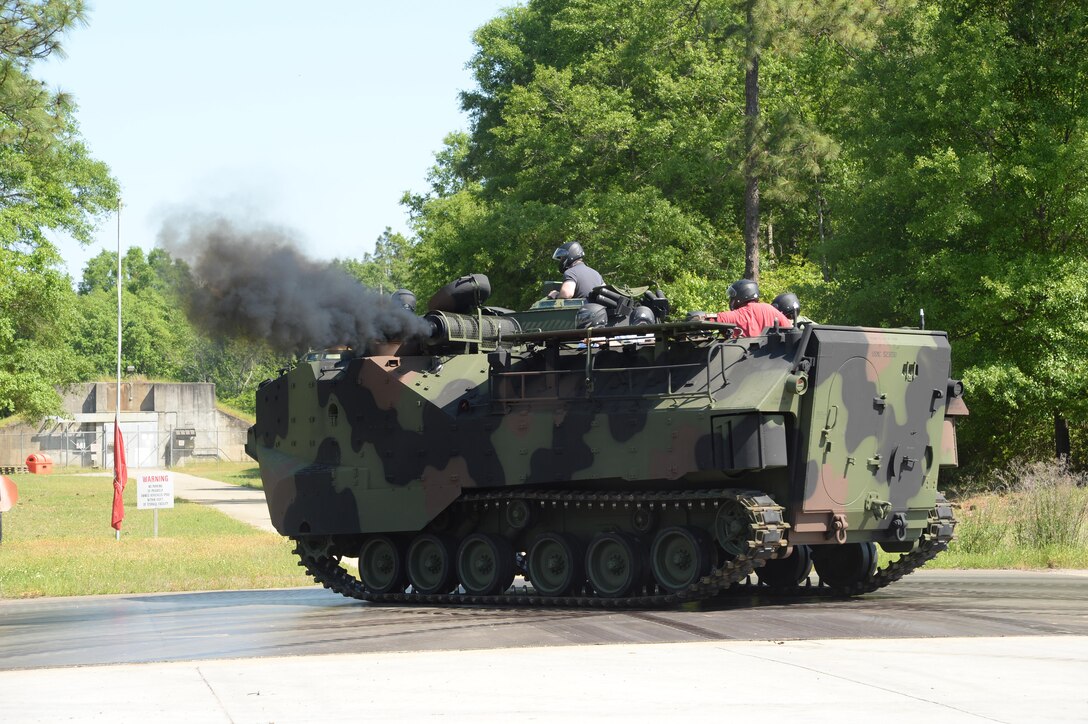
<point>57,541</point>
<point>246,474</point>
<point>1042,528</point>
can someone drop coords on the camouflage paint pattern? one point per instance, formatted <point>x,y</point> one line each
<point>876,415</point>
<point>386,443</point>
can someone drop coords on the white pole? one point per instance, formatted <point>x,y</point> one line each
<point>117,408</point>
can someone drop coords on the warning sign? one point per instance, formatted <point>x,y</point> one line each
<point>155,490</point>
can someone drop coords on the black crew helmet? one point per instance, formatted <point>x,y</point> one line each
<point>641,315</point>
<point>788,304</point>
<point>405,299</point>
<point>567,254</point>
<point>591,315</point>
<point>741,292</point>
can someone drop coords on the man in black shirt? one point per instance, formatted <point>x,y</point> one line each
<point>579,279</point>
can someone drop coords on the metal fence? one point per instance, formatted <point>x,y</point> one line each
<point>144,446</point>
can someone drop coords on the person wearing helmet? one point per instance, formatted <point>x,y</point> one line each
<point>404,299</point>
<point>579,279</point>
<point>788,304</point>
<point>749,314</point>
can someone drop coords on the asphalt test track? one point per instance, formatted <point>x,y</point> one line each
<point>311,621</point>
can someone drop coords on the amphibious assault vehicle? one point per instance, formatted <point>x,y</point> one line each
<point>605,462</point>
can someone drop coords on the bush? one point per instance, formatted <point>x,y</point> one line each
<point>982,528</point>
<point>1053,503</point>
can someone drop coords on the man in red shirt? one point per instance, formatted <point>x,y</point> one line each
<point>748,313</point>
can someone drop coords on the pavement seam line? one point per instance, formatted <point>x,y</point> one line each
<point>219,701</point>
<point>840,677</point>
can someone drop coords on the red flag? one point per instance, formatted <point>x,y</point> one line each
<point>120,475</point>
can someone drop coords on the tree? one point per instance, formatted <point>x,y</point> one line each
<point>47,179</point>
<point>618,124</point>
<point>969,197</point>
<point>48,182</point>
<point>156,336</point>
<point>784,26</point>
<point>388,268</point>
<point>37,320</point>
<point>235,367</point>
<point>590,122</point>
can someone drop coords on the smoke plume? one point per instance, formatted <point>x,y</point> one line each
<point>253,283</point>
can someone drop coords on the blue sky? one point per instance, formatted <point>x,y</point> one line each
<point>316,117</point>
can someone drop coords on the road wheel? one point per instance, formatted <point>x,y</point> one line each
<point>614,564</point>
<point>679,557</point>
<point>840,566</point>
<point>431,564</point>
<point>787,572</point>
<point>485,564</point>
<point>381,565</point>
<point>556,564</point>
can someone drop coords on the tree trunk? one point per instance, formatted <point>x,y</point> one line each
<point>751,140</point>
<point>1061,437</point>
<point>824,269</point>
<point>772,252</point>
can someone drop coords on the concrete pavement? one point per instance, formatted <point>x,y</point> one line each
<point>1007,679</point>
<point>1028,679</point>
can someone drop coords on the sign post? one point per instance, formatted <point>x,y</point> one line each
<point>155,490</point>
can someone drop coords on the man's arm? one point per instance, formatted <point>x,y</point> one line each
<point>729,317</point>
<point>564,292</point>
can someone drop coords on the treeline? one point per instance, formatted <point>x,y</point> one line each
<point>875,157</point>
<point>893,156</point>
<point>158,339</point>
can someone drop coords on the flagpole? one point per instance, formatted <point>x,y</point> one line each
<point>117,408</point>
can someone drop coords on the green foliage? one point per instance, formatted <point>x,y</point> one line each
<point>1054,504</point>
<point>236,368</point>
<point>157,339</point>
<point>981,529</point>
<point>804,278</point>
<point>1038,518</point>
<point>387,268</point>
<point>37,317</point>
<point>595,122</point>
<point>969,197</point>
<point>449,217</point>
<point>48,182</point>
<point>692,292</point>
<point>618,124</point>
<point>914,154</point>
<point>47,179</point>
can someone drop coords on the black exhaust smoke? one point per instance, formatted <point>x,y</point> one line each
<point>253,283</point>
